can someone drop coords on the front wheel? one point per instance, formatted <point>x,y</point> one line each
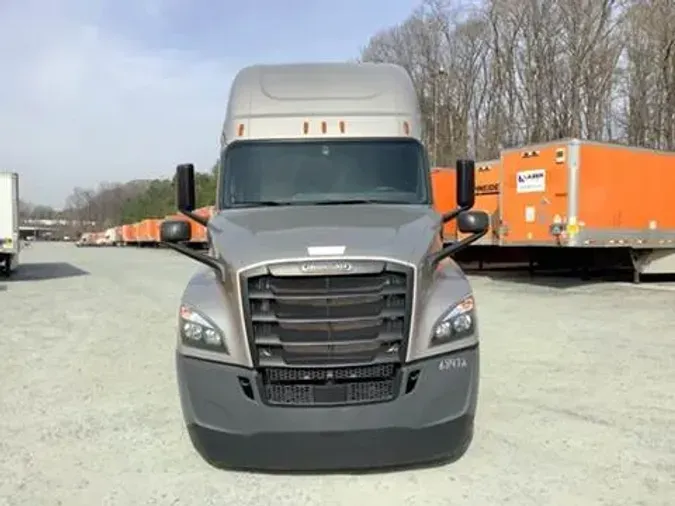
<point>6,267</point>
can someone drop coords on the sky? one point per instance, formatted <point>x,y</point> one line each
<point>98,91</point>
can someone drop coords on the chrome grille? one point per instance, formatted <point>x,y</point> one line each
<point>333,323</point>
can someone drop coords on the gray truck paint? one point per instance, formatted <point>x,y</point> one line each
<point>433,420</point>
<point>432,423</point>
<point>273,101</point>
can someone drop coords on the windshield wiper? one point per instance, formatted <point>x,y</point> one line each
<point>265,203</point>
<point>359,201</point>
<point>276,203</point>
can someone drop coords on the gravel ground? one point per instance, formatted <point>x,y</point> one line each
<point>576,407</point>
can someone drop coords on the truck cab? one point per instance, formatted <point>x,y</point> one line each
<point>330,327</point>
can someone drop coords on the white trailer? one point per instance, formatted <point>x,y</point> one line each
<point>10,243</point>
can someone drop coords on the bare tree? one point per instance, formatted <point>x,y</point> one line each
<point>525,71</point>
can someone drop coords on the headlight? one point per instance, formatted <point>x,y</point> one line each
<point>197,331</point>
<point>457,323</point>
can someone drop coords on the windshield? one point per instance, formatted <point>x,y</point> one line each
<point>324,172</point>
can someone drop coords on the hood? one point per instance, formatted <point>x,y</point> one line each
<point>243,237</point>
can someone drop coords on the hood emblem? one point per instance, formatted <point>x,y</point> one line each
<point>315,267</point>
<point>326,250</point>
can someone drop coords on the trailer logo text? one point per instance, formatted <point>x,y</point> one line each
<point>487,189</point>
<point>530,181</point>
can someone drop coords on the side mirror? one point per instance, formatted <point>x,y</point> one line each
<point>174,231</point>
<point>473,222</point>
<point>466,184</point>
<point>185,187</point>
<point>466,188</point>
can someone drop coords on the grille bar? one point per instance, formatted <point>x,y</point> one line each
<point>275,340</point>
<point>269,294</point>
<point>385,313</point>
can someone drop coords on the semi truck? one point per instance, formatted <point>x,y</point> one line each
<point>10,242</point>
<point>329,328</point>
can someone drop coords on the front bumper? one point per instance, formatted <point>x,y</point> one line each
<point>433,422</point>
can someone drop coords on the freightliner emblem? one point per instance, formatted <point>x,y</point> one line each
<point>308,267</point>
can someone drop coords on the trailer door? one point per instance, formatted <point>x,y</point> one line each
<point>534,194</point>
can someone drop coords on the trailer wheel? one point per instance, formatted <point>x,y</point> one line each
<point>6,268</point>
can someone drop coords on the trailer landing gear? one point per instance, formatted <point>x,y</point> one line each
<point>652,262</point>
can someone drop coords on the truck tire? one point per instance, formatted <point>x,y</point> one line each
<point>6,270</point>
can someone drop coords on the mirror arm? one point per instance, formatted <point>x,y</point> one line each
<point>451,215</point>
<point>207,260</point>
<point>455,247</point>
<point>194,217</point>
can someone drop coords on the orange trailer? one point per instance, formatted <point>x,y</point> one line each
<point>588,194</point>
<point>148,231</point>
<point>129,234</point>
<point>142,232</point>
<point>443,188</point>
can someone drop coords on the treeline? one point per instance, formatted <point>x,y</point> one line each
<point>114,204</point>
<point>159,199</point>
<point>504,73</point>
